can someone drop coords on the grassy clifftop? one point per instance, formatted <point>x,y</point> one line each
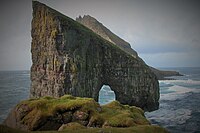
<point>75,114</point>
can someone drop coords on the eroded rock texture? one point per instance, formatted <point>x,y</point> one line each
<point>69,58</point>
<point>105,33</point>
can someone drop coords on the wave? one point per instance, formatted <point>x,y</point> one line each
<point>188,81</point>
<point>25,74</point>
<point>172,117</point>
<point>177,92</point>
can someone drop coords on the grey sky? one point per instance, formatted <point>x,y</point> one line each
<point>163,32</point>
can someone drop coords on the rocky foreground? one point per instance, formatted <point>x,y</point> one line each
<point>75,114</point>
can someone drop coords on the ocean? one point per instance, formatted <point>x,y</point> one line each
<point>179,109</point>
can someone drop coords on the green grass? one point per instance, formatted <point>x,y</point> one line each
<point>118,115</point>
<point>49,105</point>
<point>135,129</point>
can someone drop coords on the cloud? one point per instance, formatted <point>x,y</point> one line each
<point>172,59</point>
<point>17,55</point>
<point>161,27</point>
<point>161,31</point>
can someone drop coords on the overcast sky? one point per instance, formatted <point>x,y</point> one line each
<point>165,33</point>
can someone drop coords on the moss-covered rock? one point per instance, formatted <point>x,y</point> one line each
<point>73,113</point>
<point>118,115</point>
<point>71,126</point>
<point>77,128</point>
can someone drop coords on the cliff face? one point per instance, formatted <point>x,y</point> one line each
<point>69,58</point>
<point>105,33</point>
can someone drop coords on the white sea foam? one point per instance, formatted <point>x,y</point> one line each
<point>189,81</point>
<point>25,74</point>
<point>177,92</point>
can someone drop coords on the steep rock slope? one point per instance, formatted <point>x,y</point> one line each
<point>69,58</point>
<point>104,32</point>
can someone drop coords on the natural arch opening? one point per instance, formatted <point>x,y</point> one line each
<point>106,95</point>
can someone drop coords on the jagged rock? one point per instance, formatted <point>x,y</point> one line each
<point>72,126</point>
<point>80,115</point>
<point>69,58</point>
<point>67,117</point>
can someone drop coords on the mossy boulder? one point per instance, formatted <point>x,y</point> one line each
<point>68,112</point>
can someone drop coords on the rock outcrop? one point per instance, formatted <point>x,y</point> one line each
<point>165,75</point>
<point>72,113</point>
<point>105,33</point>
<point>69,58</point>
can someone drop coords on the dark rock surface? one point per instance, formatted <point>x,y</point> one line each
<point>105,33</point>
<point>69,58</point>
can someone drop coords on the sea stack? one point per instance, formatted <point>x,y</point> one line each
<point>69,58</point>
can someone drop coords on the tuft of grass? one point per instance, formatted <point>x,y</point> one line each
<point>118,115</point>
<point>50,105</point>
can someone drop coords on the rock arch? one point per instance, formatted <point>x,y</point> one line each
<point>106,93</point>
<point>68,58</point>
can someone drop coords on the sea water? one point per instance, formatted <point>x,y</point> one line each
<point>14,87</point>
<point>179,109</point>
